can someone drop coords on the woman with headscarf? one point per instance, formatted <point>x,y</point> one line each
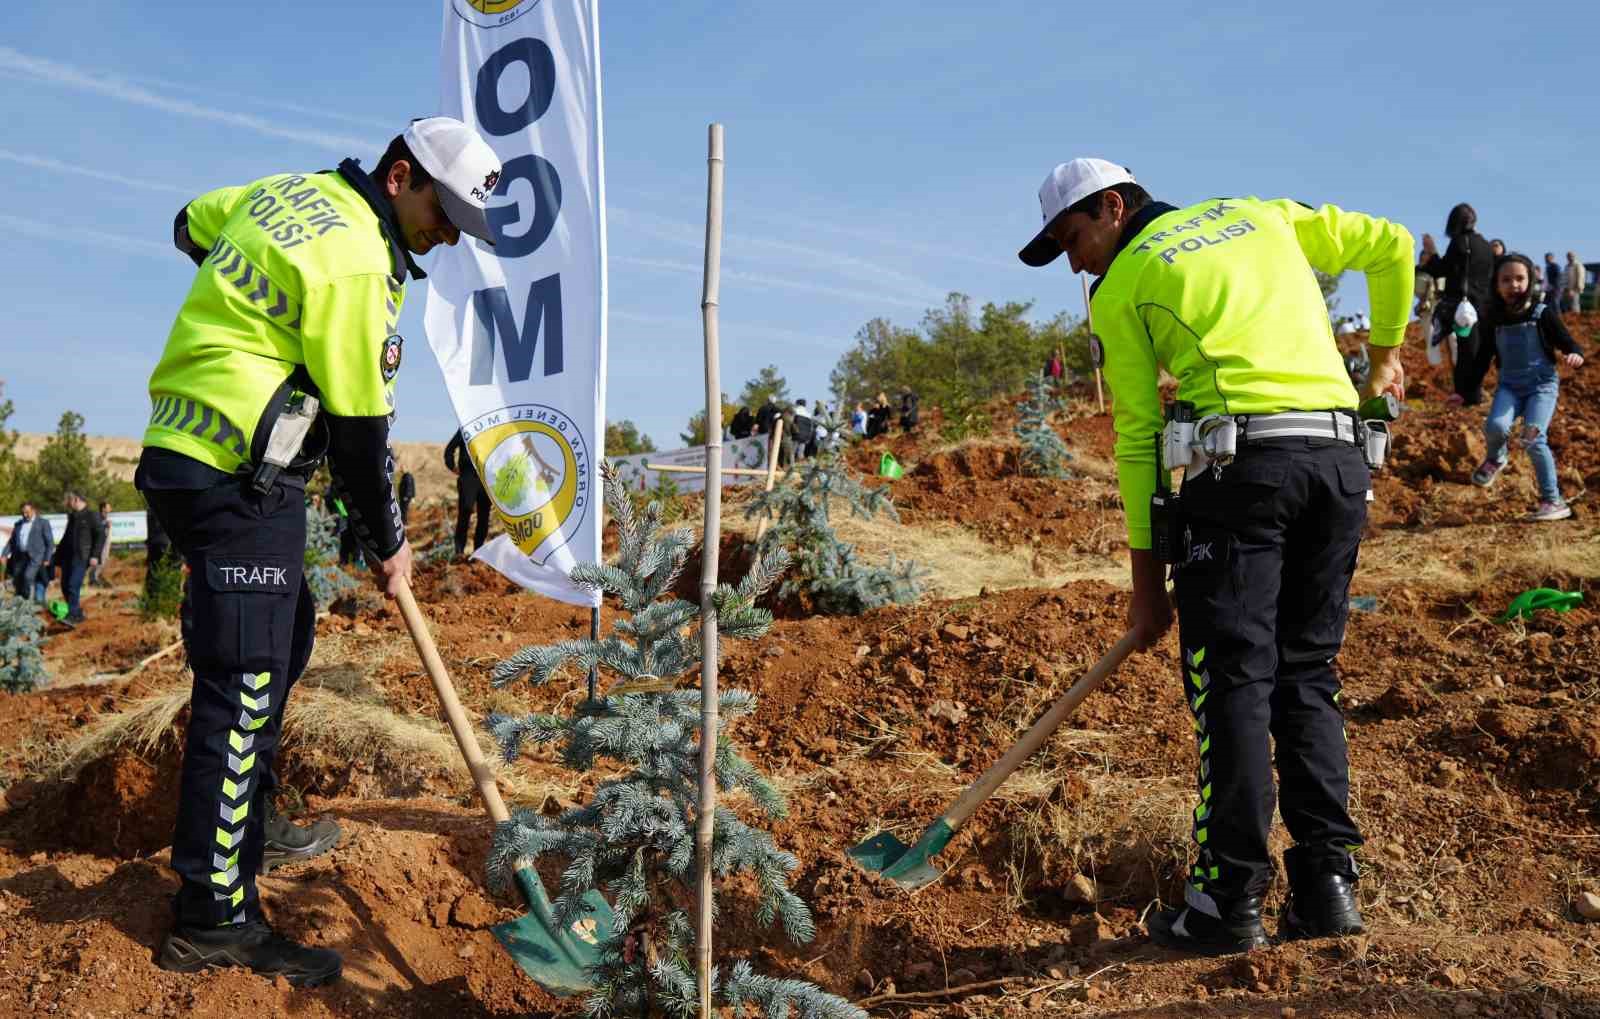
<point>1468,271</point>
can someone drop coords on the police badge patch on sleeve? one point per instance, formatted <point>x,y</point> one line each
<point>389,359</point>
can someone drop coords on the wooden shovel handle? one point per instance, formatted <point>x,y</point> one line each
<point>460,727</point>
<point>1034,738</point>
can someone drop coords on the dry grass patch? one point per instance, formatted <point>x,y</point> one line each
<point>1459,561</point>
<point>335,717</point>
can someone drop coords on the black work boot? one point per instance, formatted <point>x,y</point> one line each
<point>288,843</point>
<point>254,946</point>
<point>1322,897</point>
<point>1187,929</point>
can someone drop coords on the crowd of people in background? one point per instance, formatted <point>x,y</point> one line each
<point>33,557</point>
<point>811,426</point>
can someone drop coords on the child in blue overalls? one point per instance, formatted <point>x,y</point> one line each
<point>1529,339</point>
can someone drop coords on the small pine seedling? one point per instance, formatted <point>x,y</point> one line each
<point>1043,452</point>
<point>635,841</point>
<point>21,663</point>
<point>827,569</point>
<point>323,575</point>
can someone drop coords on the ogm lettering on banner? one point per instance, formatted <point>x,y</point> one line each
<point>492,13</point>
<point>535,465</point>
<point>493,315</point>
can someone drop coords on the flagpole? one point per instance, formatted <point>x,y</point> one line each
<point>708,569</point>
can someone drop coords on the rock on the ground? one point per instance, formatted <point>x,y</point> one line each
<point>1081,889</point>
<point>1587,906</point>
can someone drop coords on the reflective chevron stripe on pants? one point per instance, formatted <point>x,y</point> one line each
<point>251,635</point>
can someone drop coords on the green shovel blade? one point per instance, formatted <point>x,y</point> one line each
<point>556,958</point>
<point>908,867</point>
<point>1529,602</point>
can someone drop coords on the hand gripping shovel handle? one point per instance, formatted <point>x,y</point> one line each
<point>460,727</point>
<point>1034,738</point>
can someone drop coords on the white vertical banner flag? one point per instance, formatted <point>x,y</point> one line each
<point>519,329</point>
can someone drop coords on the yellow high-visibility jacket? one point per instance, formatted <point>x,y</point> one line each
<point>1221,294</point>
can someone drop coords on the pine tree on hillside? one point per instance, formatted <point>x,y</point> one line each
<point>635,842</point>
<point>1043,452</point>
<point>826,568</point>
<point>21,664</point>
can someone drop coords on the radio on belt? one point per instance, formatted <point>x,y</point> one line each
<point>1166,518</point>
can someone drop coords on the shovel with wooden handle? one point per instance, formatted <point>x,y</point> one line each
<point>556,957</point>
<point>910,866</point>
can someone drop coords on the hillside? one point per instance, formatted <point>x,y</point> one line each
<point>1475,767</point>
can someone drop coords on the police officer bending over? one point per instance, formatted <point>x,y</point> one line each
<point>284,351</point>
<point>1263,538</point>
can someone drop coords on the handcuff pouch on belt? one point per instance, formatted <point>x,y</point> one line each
<point>294,443</point>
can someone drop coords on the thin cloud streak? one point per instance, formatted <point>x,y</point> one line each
<point>731,326</point>
<point>693,269</point>
<point>276,104</point>
<point>693,236</point>
<point>80,235</point>
<point>67,76</point>
<point>57,166</point>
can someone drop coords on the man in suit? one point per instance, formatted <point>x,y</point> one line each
<point>78,551</point>
<point>27,554</point>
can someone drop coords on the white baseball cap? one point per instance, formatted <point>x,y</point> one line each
<point>1066,186</point>
<point>464,168</point>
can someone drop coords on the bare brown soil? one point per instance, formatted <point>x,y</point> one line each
<point>1475,760</point>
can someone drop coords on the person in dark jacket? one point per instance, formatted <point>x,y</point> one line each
<point>1524,334</point>
<point>768,416</point>
<point>1468,271</point>
<point>78,552</point>
<point>910,413</point>
<point>470,495</point>
<point>878,417</point>
<point>1552,280</point>
<point>407,493</point>
<point>27,554</point>
<point>743,424</point>
<point>97,575</point>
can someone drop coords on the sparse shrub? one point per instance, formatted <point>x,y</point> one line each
<point>163,587</point>
<point>826,569</point>
<point>321,562</point>
<point>635,841</point>
<point>21,663</point>
<point>1043,452</point>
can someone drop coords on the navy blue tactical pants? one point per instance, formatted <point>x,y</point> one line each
<point>1263,594</point>
<point>251,628</point>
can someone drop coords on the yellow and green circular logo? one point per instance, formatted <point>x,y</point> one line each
<point>493,13</point>
<point>534,465</point>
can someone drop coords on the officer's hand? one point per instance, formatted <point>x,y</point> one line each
<point>1150,613</point>
<point>1387,375</point>
<point>395,572</point>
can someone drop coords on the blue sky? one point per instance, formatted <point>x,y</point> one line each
<point>879,156</point>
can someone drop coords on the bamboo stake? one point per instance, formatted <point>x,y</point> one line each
<point>746,472</point>
<point>1088,316</point>
<point>708,569</point>
<point>772,468</point>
